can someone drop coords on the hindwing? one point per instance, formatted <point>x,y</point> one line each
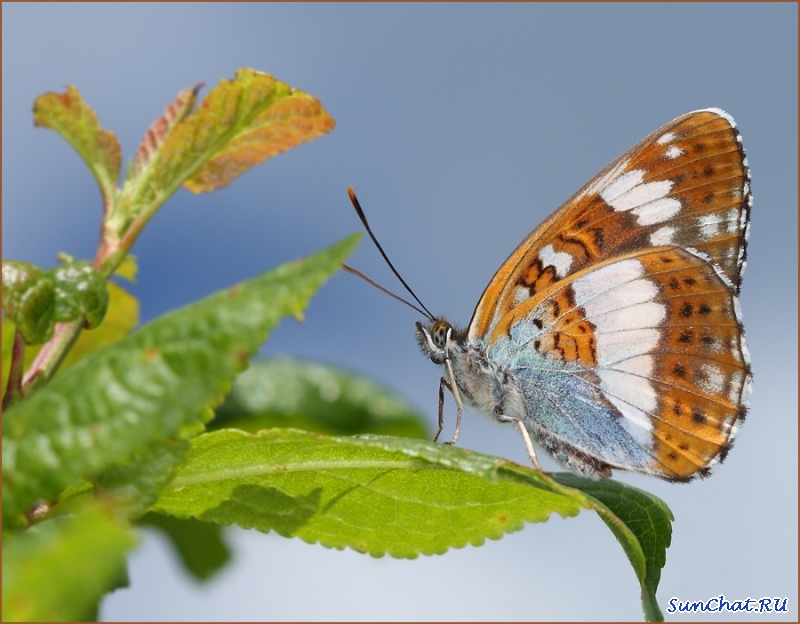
<point>655,338</point>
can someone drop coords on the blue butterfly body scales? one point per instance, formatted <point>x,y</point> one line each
<point>563,412</point>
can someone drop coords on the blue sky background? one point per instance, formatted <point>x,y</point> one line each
<point>461,127</point>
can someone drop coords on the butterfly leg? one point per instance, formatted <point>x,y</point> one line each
<point>525,436</point>
<point>442,385</point>
<point>449,383</point>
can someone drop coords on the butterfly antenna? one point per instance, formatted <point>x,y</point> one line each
<point>357,273</point>
<point>364,221</point>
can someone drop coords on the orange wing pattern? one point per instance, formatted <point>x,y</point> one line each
<point>686,185</point>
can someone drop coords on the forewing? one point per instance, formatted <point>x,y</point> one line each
<point>656,336</point>
<point>687,185</point>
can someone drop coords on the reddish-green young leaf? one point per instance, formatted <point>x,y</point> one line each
<point>73,119</point>
<point>162,127</point>
<point>239,124</point>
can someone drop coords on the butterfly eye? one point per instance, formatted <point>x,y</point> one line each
<point>439,333</point>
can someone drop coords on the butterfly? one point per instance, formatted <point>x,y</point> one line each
<point>612,336</point>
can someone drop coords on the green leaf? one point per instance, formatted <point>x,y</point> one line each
<point>121,318</point>
<point>641,522</point>
<point>284,392</point>
<point>81,292</point>
<point>133,396</point>
<point>373,494</point>
<point>131,487</point>
<point>35,300</point>
<point>8,346</point>
<point>200,545</point>
<point>73,119</point>
<point>59,569</point>
<point>29,296</point>
<point>404,497</point>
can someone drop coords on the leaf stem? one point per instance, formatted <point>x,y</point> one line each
<point>51,355</point>
<point>14,386</point>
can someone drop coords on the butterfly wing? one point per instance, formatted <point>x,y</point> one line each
<point>687,185</point>
<point>638,362</point>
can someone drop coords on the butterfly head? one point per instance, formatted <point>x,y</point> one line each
<point>437,338</point>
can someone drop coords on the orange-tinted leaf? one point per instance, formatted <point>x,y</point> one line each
<point>158,132</point>
<point>290,118</point>
<point>73,119</point>
<point>239,124</point>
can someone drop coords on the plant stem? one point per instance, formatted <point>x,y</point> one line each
<point>51,355</point>
<point>14,386</point>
